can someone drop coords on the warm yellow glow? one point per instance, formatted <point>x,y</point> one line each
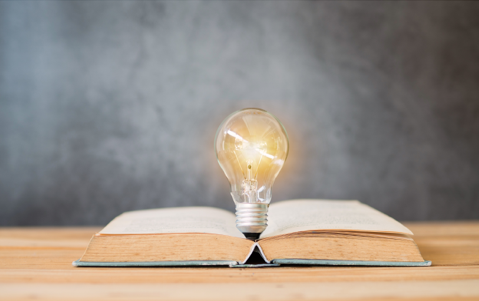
<point>251,146</point>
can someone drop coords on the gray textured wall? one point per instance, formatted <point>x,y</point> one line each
<point>113,106</point>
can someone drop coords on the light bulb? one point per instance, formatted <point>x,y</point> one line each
<point>251,147</point>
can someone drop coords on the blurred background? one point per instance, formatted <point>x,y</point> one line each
<point>109,106</point>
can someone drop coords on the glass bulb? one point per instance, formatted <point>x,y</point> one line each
<point>251,147</point>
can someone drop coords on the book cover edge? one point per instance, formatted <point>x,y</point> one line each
<point>230,263</point>
<point>78,263</point>
<point>352,262</point>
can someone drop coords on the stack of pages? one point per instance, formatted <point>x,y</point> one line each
<point>300,232</point>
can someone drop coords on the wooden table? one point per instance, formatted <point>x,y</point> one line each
<point>35,264</point>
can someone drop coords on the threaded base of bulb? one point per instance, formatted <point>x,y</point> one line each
<point>251,219</point>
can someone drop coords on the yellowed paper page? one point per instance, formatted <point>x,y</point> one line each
<point>174,220</point>
<point>305,215</point>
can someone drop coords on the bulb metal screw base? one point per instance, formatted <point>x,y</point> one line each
<point>251,219</point>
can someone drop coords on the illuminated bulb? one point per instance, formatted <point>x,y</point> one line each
<point>251,146</point>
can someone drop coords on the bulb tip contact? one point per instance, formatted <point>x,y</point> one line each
<point>252,236</point>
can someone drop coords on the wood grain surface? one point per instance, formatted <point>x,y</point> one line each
<point>35,264</point>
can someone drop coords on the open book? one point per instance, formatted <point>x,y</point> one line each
<point>312,232</point>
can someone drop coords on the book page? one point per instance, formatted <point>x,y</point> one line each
<point>175,220</point>
<point>305,215</point>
